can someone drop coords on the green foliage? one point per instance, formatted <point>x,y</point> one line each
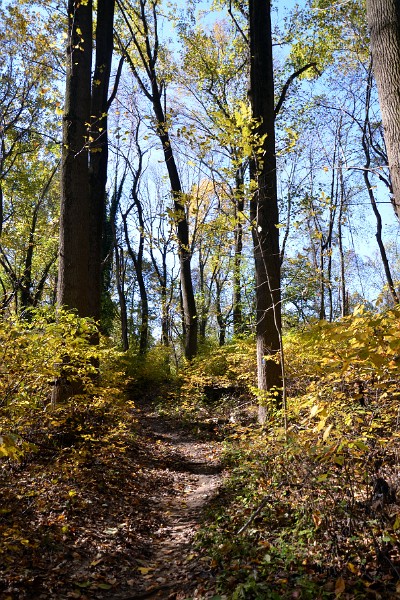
<point>326,30</point>
<point>149,374</point>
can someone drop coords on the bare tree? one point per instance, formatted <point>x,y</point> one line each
<point>154,89</point>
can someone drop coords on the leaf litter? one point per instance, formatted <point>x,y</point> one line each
<point>105,516</point>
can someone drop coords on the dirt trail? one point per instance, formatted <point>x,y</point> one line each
<point>174,570</point>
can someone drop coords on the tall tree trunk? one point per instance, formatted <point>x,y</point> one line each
<point>73,290</point>
<point>371,195</point>
<point>162,276</point>
<point>182,226</point>
<point>83,186</point>
<point>237,277</point>
<point>220,318</point>
<point>343,291</point>
<point>119,276</point>
<point>99,147</point>
<point>75,221</point>
<point>137,260</point>
<point>148,56</point>
<point>165,333</point>
<point>384,24</point>
<point>264,208</point>
<point>203,301</point>
<point>321,274</point>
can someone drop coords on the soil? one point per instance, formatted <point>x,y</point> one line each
<point>174,569</point>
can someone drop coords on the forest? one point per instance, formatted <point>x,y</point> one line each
<point>199,299</point>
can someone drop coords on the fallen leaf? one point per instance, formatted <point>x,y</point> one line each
<point>340,586</point>
<point>145,570</point>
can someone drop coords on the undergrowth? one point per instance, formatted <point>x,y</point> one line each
<point>311,512</point>
<point>72,481</point>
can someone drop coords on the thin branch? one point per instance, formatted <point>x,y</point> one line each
<point>290,81</point>
<point>117,80</point>
<point>240,30</point>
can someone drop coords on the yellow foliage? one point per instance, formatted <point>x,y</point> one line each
<point>33,355</point>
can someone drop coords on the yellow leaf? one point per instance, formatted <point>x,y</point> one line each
<point>396,524</point>
<point>327,432</point>
<point>352,567</point>
<point>145,570</point>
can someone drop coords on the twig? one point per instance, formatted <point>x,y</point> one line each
<point>254,514</point>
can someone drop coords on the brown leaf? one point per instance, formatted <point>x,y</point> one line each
<point>340,586</point>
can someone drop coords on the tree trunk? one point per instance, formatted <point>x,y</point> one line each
<point>264,209</point>
<point>237,278</point>
<point>384,24</point>
<point>220,319</point>
<point>83,184</point>
<point>75,222</point>
<point>119,276</point>
<point>203,305</point>
<point>371,195</point>
<point>99,147</point>
<point>149,56</point>
<point>137,260</point>
<point>182,226</point>
<point>343,291</point>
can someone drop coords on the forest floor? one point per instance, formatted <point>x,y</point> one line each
<point>192,460</point>
<point>125,497</point>
<point>109,513</point>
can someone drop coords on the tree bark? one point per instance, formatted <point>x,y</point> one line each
<point>384,24</point>
<point>182,226</point>
<point>75,223</point>
<point>137,260</point>
<point>237,276</point>
<point>83,176</point>
<point>264,209</point>
<point>99,148</point>
<point>371,195</point>
<point>119,276</point>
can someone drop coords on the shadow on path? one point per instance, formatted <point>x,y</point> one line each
<point>191,456</point>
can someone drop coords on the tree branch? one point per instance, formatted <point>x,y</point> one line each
<point>289,82</point>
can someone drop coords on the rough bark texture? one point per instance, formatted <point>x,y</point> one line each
<point>384,24</point>
<point>99,147</point>
<point>264,205</point>
<point>83,177</point>
<point>237,276</point>
<point>73,289</point>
